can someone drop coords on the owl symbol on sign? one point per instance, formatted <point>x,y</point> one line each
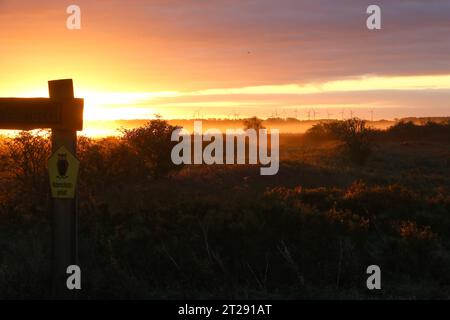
<point>63,165</point>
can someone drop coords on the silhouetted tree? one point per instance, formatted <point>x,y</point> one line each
<point>253,123</point>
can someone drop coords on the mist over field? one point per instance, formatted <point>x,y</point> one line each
<point>103,128</point>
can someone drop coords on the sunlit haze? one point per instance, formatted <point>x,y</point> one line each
<point>184,59</point>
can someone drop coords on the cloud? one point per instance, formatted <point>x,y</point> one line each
<point>267,53</point>
<point>301,41</point>
<point>252,42</point>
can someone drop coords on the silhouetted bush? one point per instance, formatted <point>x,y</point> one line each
<point>107,161</point>
<point>152,144</point>
<point>354,134</point>
<point>430,131</point>
<point>28,154</point>
<point>356,137</point>
<point>324,131</point>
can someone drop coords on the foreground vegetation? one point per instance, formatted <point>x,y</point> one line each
<point>345,197</point>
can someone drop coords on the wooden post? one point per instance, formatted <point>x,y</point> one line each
<point>64,211</point>
<point>64,115</point>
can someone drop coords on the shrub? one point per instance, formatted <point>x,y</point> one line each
<point>324,131</point>
<point>28,155</point>
<point>352,132</point>
<point>107,161</point>
<point>152,144</point>
<point>408,130</point>
<point>356,139</point>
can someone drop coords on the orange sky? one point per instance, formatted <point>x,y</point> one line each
<point>132,59</point>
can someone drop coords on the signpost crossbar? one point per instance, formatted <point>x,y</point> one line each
<point>41,113</point>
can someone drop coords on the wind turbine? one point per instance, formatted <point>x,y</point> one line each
<point>329,114</point>
<point>196,114</point>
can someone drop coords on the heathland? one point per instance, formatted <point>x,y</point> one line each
<point>346,196</point>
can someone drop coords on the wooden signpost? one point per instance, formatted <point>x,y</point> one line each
<point>63,114</point>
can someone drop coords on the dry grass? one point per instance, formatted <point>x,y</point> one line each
<point>227,232</point>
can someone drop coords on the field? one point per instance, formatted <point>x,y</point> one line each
<point>148,230</point>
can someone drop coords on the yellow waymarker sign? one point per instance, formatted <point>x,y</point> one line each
<point>63,170</point>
